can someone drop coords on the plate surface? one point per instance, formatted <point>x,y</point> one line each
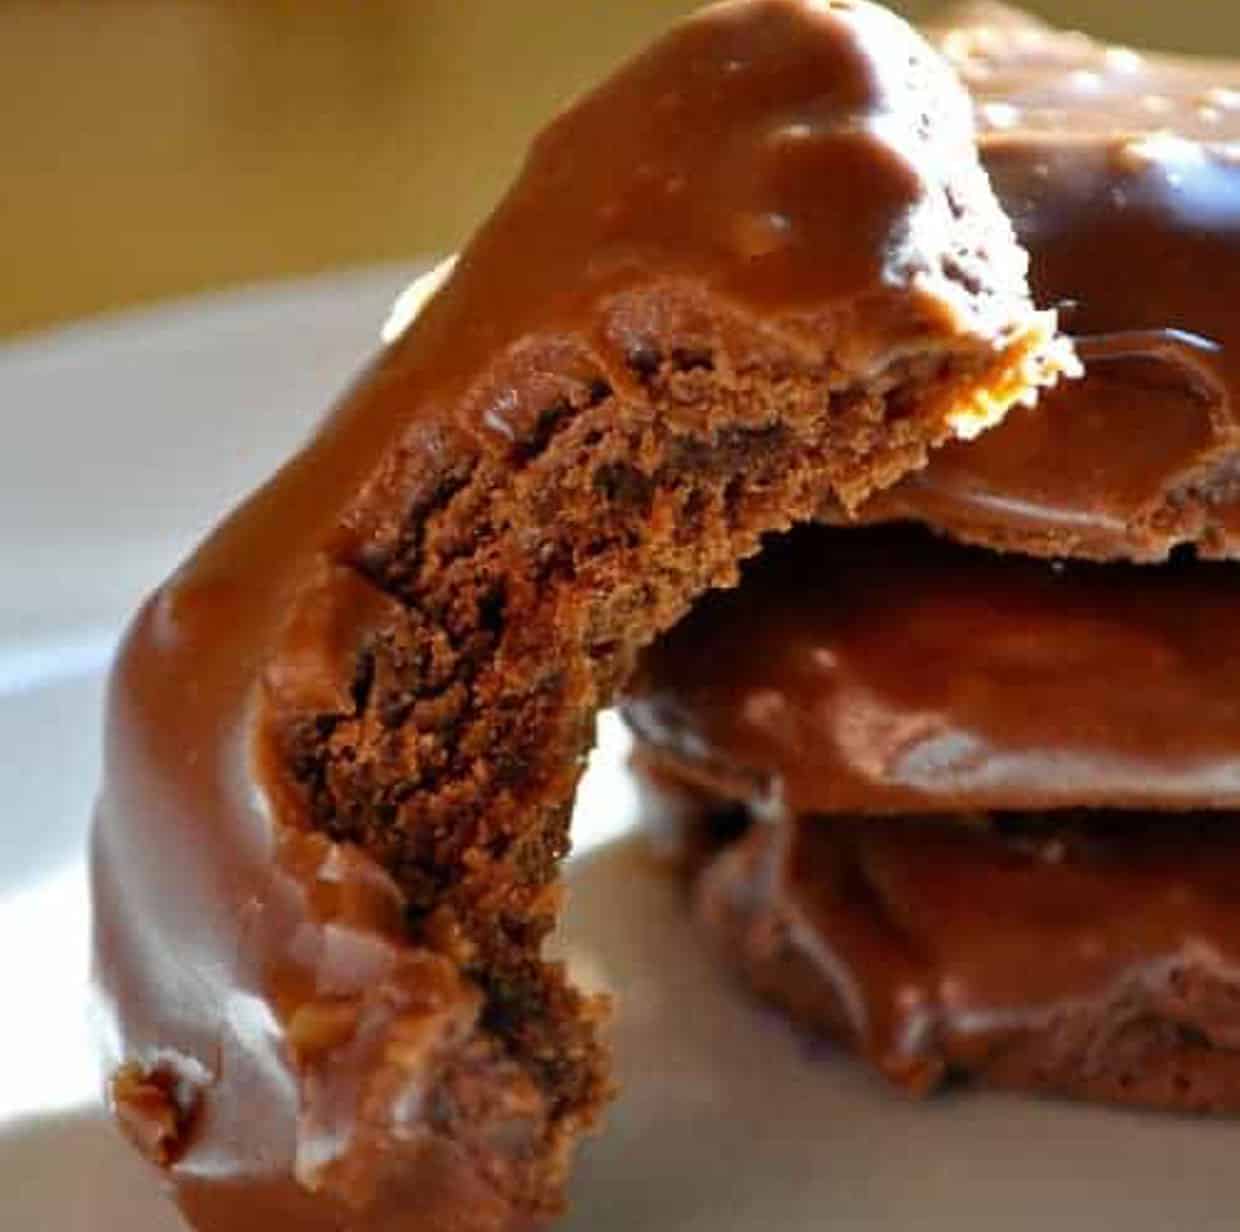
<point>124,441</point>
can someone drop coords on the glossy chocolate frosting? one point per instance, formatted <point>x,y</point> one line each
<point>886,671</point>
<point>269,1025</point>
<point>1096,957</point>
<point>1121,172</point>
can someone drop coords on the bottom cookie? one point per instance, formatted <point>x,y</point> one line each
<point>1091,956</point>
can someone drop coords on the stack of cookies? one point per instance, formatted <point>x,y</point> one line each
<point>959,787</point>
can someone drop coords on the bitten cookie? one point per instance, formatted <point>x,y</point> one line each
<point>760,264</point>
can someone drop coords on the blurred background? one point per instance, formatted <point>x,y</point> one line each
<point>161,147</point>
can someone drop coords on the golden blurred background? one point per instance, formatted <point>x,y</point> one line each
<point>161,147</point>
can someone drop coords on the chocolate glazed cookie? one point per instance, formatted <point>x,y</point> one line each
<point>759,264</point>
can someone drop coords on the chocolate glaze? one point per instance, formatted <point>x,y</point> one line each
<point>782,156</point>
<point>1095,957</point>
<point>886,671</point>
<point>1121,172</point>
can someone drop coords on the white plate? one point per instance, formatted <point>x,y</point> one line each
<point>123,442</point>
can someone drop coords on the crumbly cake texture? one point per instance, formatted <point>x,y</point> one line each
<point>761,263</point>
<point>507,605</point>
